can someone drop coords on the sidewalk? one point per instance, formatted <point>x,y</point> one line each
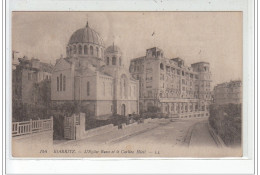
<point>201,136</point>
<point>115,136</point>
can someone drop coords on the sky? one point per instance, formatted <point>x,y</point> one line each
<point>214,37</point>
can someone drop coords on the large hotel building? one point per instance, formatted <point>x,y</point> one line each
<point>169,84</point>
<point>228,92</point>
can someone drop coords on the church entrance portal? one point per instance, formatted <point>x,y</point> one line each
<point>123,109</point>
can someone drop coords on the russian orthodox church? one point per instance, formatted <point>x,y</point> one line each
<point>95,76</point>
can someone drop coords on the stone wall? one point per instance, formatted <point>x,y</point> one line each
<point>81,133</point>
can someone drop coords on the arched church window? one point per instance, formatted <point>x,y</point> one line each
<point>107,60</point>
<point>85,50</point>
<point>97,50</point>
<point>60,82</point>
<point>70,50</point>
<point>88,88</point>
<point>74,49</point>
<point>101,52</point>
<point>114,61</point>
<point>104,88</point>
<point>80,49</point>
<point>123,86</point>
<point>111,89</point>
<point>91,50</point>
<point>120,61</point>
<point>64,83</point>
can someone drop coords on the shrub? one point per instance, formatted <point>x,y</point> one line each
<point>115,120</point>
<point>226,121</point>
<point>153,109</point>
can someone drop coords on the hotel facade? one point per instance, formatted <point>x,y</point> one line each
<point>178,90</point>
<point>228,92</point>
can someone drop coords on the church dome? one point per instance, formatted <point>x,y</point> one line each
<point>86,35</point>
<point>113,49</point>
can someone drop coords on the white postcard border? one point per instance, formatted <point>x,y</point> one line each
<point>243,165</point>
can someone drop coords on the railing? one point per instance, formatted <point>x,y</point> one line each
<point>194,114</point>
<point>32,126</point>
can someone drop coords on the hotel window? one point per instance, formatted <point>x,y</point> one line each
<point>150,94</point>
<point>91,50</point>
<point>172,107</point>
<point>85,50</point>
<point>107,60</point>
<point>88,88</point>
<point>58,84</point>
<point>80,49</point>
<point>161,66</point>
<point>64,83</point>
<point>114,61</point>
<point>158,53</point>
<point>29,76</point>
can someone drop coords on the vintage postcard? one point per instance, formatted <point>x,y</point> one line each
<point>127,84</point>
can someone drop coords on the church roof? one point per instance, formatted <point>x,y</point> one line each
<point>86,35</point>
<point>113,49</point>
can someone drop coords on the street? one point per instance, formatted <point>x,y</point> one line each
<point>191,132</point>
<point>173,133</point>
<point>157,138</point>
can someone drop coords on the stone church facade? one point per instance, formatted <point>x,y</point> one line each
<point>94,76</point>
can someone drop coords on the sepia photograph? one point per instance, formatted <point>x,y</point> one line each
<point>127,84</point>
